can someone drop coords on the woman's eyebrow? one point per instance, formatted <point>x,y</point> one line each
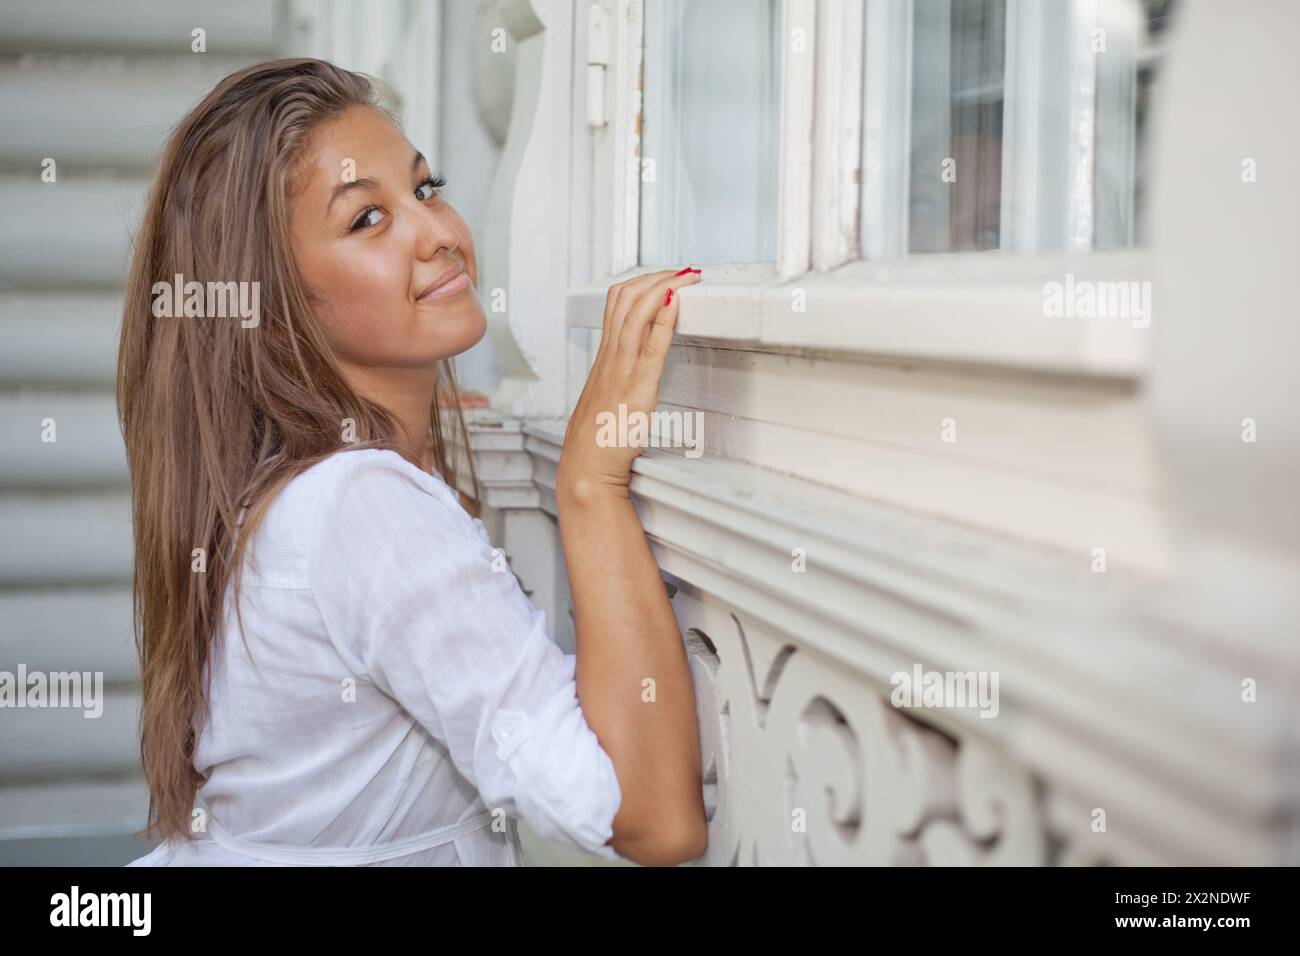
<point>342,188</point>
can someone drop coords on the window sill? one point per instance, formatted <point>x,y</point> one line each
<point>968,308</point>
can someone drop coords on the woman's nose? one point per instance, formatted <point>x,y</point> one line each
<point>434,232</point>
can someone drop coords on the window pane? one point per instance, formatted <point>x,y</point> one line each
<point>1126,76</point>
<point>957,96</point>
<point>1157,15</point>
<point>709,132</point>
<point>1019,126</point>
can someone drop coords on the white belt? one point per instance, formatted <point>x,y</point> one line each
<point>344,855</point>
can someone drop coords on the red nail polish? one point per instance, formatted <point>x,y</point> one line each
<point>683,272</point>
<point>697,271</point>
<point>668,298</point>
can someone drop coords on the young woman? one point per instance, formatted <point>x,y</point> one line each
<point>333,662</point>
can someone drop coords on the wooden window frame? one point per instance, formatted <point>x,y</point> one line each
<point>984,308</point>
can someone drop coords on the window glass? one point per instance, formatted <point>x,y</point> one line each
<point>1013,126</point>
<point>1157,14</point>
<point>959,67</point>
<point>709,132</point>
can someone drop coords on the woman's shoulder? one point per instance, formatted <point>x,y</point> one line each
<point>377,483</point>
<point>383,531</point>
<point>348,460</point>
<point>385,491</point>
<point>350,474</point>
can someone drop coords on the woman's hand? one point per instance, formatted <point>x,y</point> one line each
<point>640,315</point>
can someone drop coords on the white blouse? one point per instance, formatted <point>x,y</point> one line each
<point>399,700</point>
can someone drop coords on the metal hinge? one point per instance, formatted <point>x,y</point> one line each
<point>597,62</point>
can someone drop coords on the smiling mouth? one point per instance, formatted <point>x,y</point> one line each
<point>446,285</point>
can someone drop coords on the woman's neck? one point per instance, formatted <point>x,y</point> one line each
<point>407,394</point>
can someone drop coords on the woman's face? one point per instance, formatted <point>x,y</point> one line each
<point>389,265</point>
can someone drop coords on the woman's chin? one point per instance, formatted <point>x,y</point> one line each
<point>470,329</point>
<point>452,335</point>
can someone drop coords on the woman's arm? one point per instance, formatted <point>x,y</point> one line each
<point>633,679</point>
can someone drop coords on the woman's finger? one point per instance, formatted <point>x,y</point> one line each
<point>650,363</point>
<point>643,311</point>
<point>617,300</point>
<point>633,290</point>
<point>612,295</point>
<point>613,298</point>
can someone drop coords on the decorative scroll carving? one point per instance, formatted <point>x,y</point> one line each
<point>806,764</point>
<point>1000,819</point>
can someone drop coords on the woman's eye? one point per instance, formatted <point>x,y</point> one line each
<point>429,188</point>
<point>424,192</point>
<point>365,219</point>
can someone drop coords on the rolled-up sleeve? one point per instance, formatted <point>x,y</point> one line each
<point>417,601</point>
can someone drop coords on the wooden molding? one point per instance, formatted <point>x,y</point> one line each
<point>1099,708</point>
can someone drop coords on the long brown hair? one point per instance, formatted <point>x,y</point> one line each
<point>218,417</point>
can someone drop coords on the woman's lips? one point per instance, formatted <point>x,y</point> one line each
<point>454,286</point>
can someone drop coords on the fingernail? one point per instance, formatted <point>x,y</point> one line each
<point>696,271</point>
<point>684,271</point>
<point>668,298</point>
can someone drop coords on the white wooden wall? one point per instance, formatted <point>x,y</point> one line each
<point>95,87</point>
